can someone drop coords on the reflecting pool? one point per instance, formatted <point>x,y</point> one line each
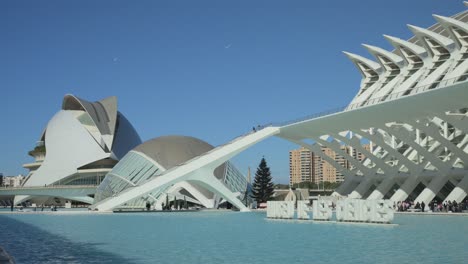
<point>228,237</point>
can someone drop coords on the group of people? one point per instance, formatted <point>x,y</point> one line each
<point>258,128</point>
<point>404,206</point>
<point>450,206</point>
<point>434,206</point>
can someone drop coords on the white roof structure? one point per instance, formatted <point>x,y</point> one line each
<point>78,140</point>
<point>152,158</point>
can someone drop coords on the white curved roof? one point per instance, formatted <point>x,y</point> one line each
<point>103,113</point>
<point>376,52</point>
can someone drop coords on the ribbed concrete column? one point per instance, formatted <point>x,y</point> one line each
<point>432,189</point>
<point>382,189</point>
<point>345,188</point>
<point>362,188</point>
<point>459,192</point>
<point>356,144</point>
<point>405,189</point>
<point>407,136</point>
<point>211,183</point>
<point>456,121</point>
<point>377,138</point>
<point>431,131</point>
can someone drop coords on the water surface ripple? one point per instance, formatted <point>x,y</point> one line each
<point>228,237</point>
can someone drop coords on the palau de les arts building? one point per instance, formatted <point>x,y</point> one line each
<point>412,107</point>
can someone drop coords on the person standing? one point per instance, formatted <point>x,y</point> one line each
<point>422,206</point>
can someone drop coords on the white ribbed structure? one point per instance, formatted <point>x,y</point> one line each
<point>419,153</point>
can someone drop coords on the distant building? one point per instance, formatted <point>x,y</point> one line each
<point>12,181</point>
<point>301,166</point>
<point>306,166</point>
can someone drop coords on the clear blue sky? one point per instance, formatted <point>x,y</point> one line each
<point>208,69</point>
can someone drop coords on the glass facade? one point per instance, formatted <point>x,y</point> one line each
<point>130,171</point>
<point>235,181</point>
<point>135,168</point>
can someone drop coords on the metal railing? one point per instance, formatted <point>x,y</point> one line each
<point>312,116</point>
<point>381,99</point>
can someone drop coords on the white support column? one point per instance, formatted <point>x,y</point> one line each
<point>431,131</point>
<point>443,167</point>
<point>356,144</point>
<point>405,189</point>
<point>459,192</point>
<point>385,185</point>
<point>432,189</point>
<point>391,149</point>
<point>200,197</point>
<point>362,188</point>
<point>403,134</point>
<point>458,121</point>
<point>345,188</point>
<point>383,188</point>
<point>206,178</point>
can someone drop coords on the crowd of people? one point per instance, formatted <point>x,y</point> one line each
<point>433,206</point>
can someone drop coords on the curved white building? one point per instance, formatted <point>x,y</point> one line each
<point>152,158</point>
<point>411,107</point>
<point>80,144</point>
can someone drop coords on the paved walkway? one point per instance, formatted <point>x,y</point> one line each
<point>432,213</point>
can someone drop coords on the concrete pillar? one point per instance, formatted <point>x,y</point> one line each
<point>362,188</point>
<point>345,188</point>
<point>211,183</point>
<point>459,192</point>
<point>405,189</point>
<point>382,189</point>
<point>432,189</point>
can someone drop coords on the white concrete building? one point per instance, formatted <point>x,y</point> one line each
<point>419,153</point>
<point>13,181</point>
<point>80,144</point>
<point>412,108</point>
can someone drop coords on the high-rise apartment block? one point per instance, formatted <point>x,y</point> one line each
<point>307,166</point>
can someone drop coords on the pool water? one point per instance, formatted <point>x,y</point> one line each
<point>228,237</point>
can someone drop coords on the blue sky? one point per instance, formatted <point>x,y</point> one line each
<point>208,69</point>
